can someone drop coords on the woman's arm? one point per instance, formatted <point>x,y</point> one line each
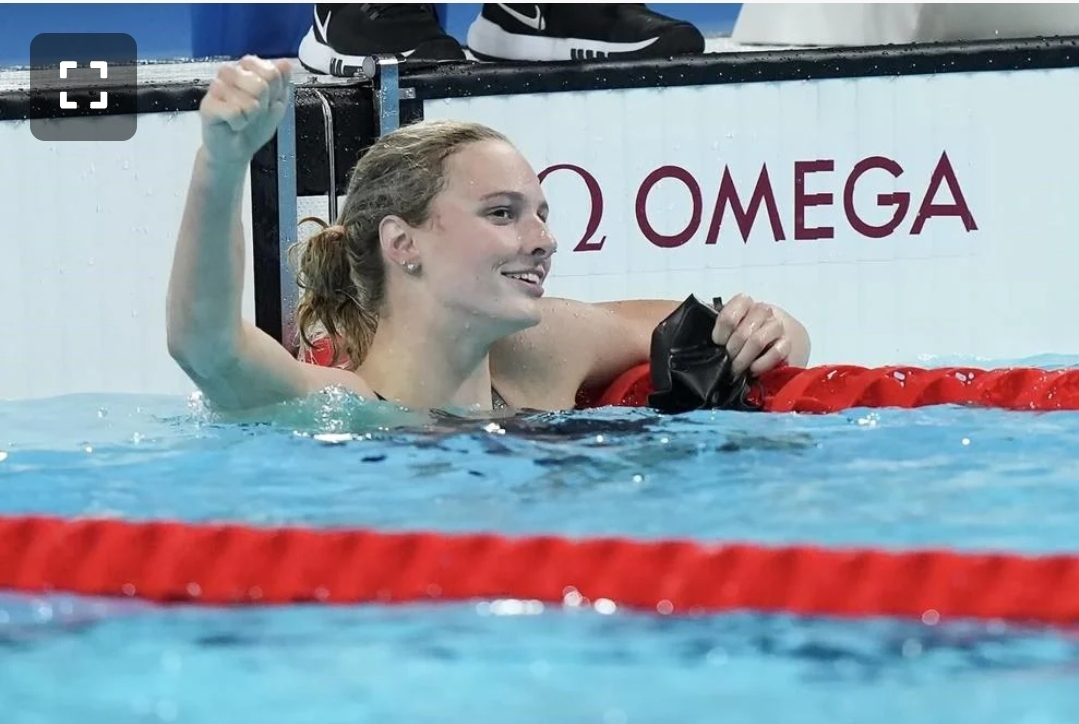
<point>234,363</point>
<point>582,345</point>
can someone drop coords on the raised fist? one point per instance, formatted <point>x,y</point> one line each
<point>242,108</point>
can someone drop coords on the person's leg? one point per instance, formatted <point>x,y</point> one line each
<point>549,32</point>
<point>342,35</point>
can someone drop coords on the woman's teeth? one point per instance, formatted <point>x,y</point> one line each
<point>530,277</point>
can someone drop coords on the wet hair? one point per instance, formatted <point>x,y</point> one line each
<point>341,269</point>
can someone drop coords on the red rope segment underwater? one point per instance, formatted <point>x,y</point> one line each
<point>169,562</point>
<point>827,389</point>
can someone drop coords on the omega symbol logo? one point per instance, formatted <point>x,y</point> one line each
<point>102,66</point>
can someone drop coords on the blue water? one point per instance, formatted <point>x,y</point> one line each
<point>962,478</point>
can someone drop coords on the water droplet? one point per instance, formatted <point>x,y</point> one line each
<point>42,611</point>
<point>102,413</point>
<point>126,164</point>
<point>605,606</point>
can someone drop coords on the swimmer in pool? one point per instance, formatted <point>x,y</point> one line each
<point>431,280</point>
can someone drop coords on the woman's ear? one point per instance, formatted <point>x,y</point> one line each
<point>397,241</point>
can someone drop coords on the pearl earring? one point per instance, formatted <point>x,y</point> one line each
<point>411,267</point>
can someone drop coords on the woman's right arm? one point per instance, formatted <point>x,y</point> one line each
<point>233,362</point>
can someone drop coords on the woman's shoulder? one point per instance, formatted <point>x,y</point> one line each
<point>321,376</point>
<point>549,360</point>
<point>550,337</point>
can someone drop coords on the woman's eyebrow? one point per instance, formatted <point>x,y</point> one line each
<point>514,195</point>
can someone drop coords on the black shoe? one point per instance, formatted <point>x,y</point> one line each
<point>578,32</point>
<point>342,35</point>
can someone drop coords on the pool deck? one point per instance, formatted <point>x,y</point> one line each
<point>186,72</point>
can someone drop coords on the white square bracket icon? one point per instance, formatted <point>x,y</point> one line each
<point>97,82</point>
<point>103,96</point>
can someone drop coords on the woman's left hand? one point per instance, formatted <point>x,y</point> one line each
<point>759,337</point>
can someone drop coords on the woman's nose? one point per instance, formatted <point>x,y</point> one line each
<point>544,244</point>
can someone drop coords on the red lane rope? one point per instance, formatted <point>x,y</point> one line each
<point>172,562</point>
<point>834,388</point>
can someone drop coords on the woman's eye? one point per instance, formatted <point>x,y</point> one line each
<point>502,213</point>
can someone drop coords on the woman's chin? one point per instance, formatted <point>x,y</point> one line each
<point>522,313</point>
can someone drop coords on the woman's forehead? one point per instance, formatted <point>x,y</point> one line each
<point>489,167</point>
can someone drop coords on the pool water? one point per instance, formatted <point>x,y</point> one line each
<point>943,477</point>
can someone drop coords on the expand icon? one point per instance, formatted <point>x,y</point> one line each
<point>83,87</point>
<point>101,65</point>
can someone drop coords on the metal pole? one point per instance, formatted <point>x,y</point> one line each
<point>383,72</point>
<point>287,218</point>
<point>331,157</point>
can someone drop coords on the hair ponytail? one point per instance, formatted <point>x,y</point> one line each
<point>332,304</point>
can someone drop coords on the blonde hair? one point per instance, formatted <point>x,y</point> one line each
<point>341,270</point>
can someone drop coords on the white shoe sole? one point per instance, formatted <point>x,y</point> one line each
<point>320,58</point>
<point>488,39</point>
